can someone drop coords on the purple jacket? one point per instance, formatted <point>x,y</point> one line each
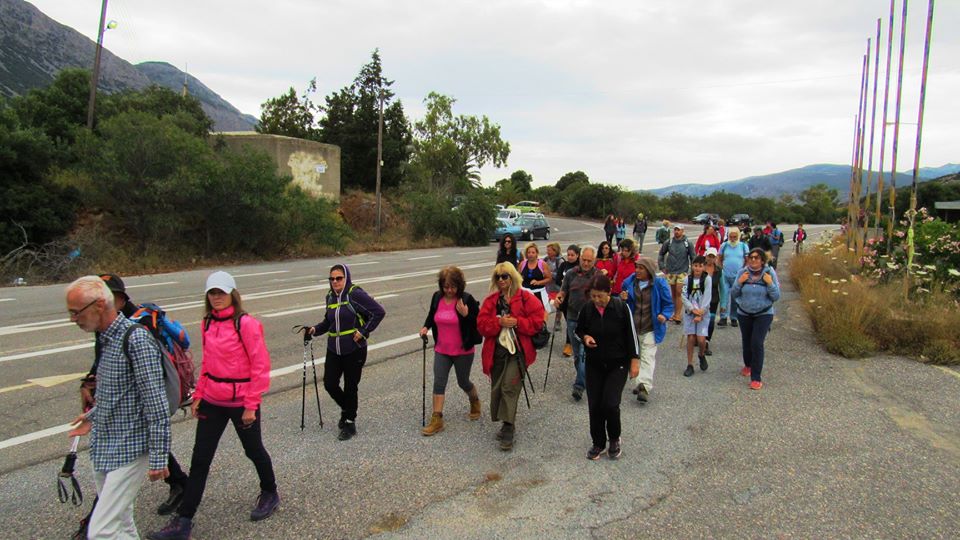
<point>347,312</point>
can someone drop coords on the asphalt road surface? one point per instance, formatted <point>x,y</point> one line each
<point>829,448</point>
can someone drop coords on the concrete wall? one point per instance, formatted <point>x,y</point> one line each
<point>314,166</point>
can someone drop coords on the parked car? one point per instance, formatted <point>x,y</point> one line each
<point>741,221</point>
<point>703,219</point>
<point>526,206</point>
<point>533,226</point>
<point>509,214</point>
<point>505,226</point>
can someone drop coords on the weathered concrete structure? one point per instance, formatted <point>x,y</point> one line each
<point>314,166</point>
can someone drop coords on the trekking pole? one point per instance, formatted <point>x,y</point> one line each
<point>523,376</point>
<point>423,400</point>
<point>76,496</point>
<point>556,328</point>
<point>303,381</point>
<point>316,389</point>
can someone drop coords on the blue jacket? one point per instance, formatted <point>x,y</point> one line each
<point>661,303</point>
<point>341,318</point>
<point>754,297</point>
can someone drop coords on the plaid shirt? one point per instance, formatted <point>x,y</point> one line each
<point>130,417</point>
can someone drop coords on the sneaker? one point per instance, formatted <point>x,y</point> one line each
<point>734,323</point>
<point>615,450</point>
<point>708,352</point>
<point>506,438</point>
<point>347,431</point>
<point>756,385</point>
<point>594,453</point>
<point>703,363</point>
<point>577,394</point>
<point>568,350</point>
<point>745,371</point>
<point>688,372</point>
<point>266,503</point>
<point>722,322</point>
<point>636,390</point>
<point>178,529</point>
<point>173,500</point>
<point>643,395</point>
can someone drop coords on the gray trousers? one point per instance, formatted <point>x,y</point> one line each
<point>505,381</point>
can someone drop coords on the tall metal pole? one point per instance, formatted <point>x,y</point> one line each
<point>92,103</point>
<point>854,199</point>
<point>379,159</point>
<point>853,174</point>
<point>896,131</point>
<point>863,135</point>
<point>912,213</point>
<point>873,121</point>
<point>883,129</point>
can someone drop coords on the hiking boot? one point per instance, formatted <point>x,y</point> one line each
<point>568,350</point>
<point>506,437</point>
<point>347,431</point>
<point>689,371</point>
<point>594,453</point>
<point>643,395</point>
<point>615,450</point>
<point>577,394</point>
<point>435,426</point>
<point>266,503</point>
<point>756,385</point>
<point>178,529</point>
<point>703,363</point>
<point>475,412</point>
<point>708,352</point>
<point>745,371</point>
<point>499,434</point>
<point>173,500</point>
<point>722,322</point>
<point>734,323</point>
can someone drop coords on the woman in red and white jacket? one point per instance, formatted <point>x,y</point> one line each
<point>234,375</point>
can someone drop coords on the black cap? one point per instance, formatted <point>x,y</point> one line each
<point>115,284</point>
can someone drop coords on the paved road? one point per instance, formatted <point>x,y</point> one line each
<point>829,447</point>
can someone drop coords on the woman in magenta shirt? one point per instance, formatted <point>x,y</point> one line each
<point>453,321</point>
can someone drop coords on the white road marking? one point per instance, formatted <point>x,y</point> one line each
<point>56,430</point>
<point>45,382</point>
<point>46,352</point>
<point>8,299</point>
<point>152,284</point>
<point>351,265</point>
<point>427,257</point>
<point>263,273</point>
<point>382,296</point>
<point>292,311</point>
<point>473,252</point>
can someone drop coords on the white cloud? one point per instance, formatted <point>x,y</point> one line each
<point>642,94</point>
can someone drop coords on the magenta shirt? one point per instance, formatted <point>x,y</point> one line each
<point>448,330</point>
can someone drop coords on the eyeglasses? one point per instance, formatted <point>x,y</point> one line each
<point>501,277</point>
<point>337,278</point>
<point>508,241</point>
<point>75,314</point>
<point>754,257</point>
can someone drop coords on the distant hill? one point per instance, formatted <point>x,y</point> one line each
<point>34,48</point>
<point>796,180</point>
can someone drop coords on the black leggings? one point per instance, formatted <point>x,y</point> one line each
<point>211,421</point>
<point>441,371</point>
<point>604,388</point>
<point>350,367</point>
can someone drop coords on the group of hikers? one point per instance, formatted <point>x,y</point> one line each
<point>616,306</point>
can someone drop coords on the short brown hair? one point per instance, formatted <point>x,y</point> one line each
<point>454,276</point>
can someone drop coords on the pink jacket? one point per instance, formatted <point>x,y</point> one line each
<point>235,370</point>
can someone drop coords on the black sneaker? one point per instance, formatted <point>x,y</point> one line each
<point>178,529</point>
<point>643,395</point>
<point>348,430</point>
<point>594,453</point>
<point>506,439</point>
<point>266,503</point>
<point>722,322</point>
<point>703,363</point>
<point>636,390</point>
<point>173,500</point>
<point>708,352</point>
<point>734,323</point>
<point>577,394</point>
<point>615,450</point>
<point>688,372</point>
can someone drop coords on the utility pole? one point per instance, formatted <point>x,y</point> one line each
<point>92,103</point>
<point>912,213</point>
<point>379,158</point>
<point>883,128</point>
<point>896,131</point>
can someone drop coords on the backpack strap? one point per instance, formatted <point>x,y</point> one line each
<point>236,326</point>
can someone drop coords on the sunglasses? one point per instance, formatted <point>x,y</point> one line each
<point>337,278</point>
<point>501,277</point>
<point>754,257</point>
<point>75,314</point>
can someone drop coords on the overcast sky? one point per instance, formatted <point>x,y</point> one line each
<point>641,93</point>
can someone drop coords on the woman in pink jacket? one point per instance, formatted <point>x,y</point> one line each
<point>234,375</point>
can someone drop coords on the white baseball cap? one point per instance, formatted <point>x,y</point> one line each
<point>220,280</point>
<point>710,251</point>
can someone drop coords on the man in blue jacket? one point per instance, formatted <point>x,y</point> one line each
<point>649,299</point>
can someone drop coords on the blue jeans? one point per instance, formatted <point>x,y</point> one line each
<point>578,355</point>
<point>753,332</point>
<point>726,297</point>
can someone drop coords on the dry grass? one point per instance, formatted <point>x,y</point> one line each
<point>854,317</point>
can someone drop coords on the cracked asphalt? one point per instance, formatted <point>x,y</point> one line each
<point>830,448</point>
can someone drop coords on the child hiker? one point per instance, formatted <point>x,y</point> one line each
<point>696,313</point>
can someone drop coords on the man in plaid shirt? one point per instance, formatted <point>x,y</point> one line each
<point>130,425</point>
